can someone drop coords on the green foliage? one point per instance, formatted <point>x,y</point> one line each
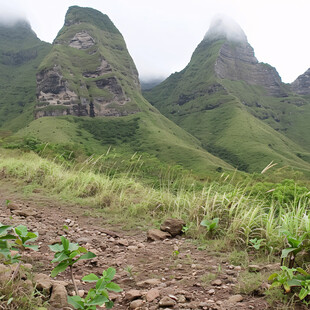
<point>67,254</point>
<point>291,278</point>
<point>296,245</point>
<point>98,295</point>
<point>16,240</point>
<point>256,243</point>
<point>211,225</point>
<point>111,132</point>
<point>283,192</point>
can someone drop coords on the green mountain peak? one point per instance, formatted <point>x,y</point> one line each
<point>77,15</point>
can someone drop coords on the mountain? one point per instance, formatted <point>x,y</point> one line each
<point>89,70</point>
<point>21,53</point>
<point>236,106</point>
<point>301,85</point>
<point>88,94</point>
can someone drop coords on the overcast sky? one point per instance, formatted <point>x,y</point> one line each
<point>161,35</point>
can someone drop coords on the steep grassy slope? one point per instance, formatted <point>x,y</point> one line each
<point>89,72</point>
<point>21,52</point>
<point>238,108</point>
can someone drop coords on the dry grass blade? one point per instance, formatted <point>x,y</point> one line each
<point>269,166</point>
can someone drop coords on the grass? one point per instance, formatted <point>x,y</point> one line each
<point>20,294</point>
<point>125,197</point>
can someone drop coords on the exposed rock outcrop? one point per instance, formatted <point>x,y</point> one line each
<point>98,80</point>
<point>301,85</point>
<point>102,69</point>
<point>82,40</point>
<point>236,61</point>
<point>55,98</point>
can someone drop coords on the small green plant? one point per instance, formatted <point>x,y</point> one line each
<point>185,229</point>
<point>98,295</point>
<point>292,278</point>
<point>175,254</point>
<point>296,245</point>
<point>211,225</point>
<point>129,270</point>
<point>284,278</point>
<point>256,243</point>
<point>66,255</point>
<point>15,239</point>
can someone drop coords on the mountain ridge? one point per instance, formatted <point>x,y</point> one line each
<point>225,96</point>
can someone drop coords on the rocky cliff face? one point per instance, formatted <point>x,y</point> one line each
<point>89,71</point>
<point>236,61</point>
<point>301,85</point>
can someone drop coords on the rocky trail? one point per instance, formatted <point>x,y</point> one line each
<point>162,274</point>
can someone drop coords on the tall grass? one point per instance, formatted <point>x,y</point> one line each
<point>242,215</point>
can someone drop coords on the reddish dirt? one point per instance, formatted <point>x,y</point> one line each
<point>185,278</point>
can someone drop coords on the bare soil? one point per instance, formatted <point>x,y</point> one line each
<point>173,269</point>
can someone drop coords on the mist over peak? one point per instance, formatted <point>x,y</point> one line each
<point>225,27</point>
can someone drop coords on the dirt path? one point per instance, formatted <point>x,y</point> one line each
<point>169,274</point>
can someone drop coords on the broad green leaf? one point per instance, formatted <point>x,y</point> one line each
<point>109,304</point>
<point>4,228</point>
<point>90,278</point>
<point>91,294</point>
<point>295,243</point>
<point>88,255</point>
<point>82,249</point>
<point>56,247</point>
<point>113,287</point>
<point>59,268</point>
<point>100,285</point>
<point>300,270</point>
<point>109,274</point>
<point>76,302</point>
<point>303,293</point>
<point>276,284</point>
<point>19,241</point>
<point>73,254</point>
<point>21,230</point>
<point>60,258</point>
<point>98,300</point>
<point>73,247</point>
<point>65,243</point>
<point>205,223</point>
<point>293,282</point>
<point>32,236</point>
<point>8,237</point>
<point>273,276</point>
<point>287,251</point>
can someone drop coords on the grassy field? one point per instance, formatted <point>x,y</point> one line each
<point>247,207</point>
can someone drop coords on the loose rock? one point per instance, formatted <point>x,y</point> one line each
<point>166,302</point>
<point>152,294</point>
<point>156,235</point>
<point>59,296</point>
<point>173,226</point>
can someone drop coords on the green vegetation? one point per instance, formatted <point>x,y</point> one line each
<point>66,255</point>
<point>99,294</point>
<point>235,120</point>
<point>20,56</point>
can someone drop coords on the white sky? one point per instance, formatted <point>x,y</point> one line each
<point>161,35</point>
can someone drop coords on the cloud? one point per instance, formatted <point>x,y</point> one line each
<point>224,26</point>
<point>11,12</point>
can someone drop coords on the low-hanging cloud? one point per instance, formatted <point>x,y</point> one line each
<point>224,26</point>
<point>11,13</point>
